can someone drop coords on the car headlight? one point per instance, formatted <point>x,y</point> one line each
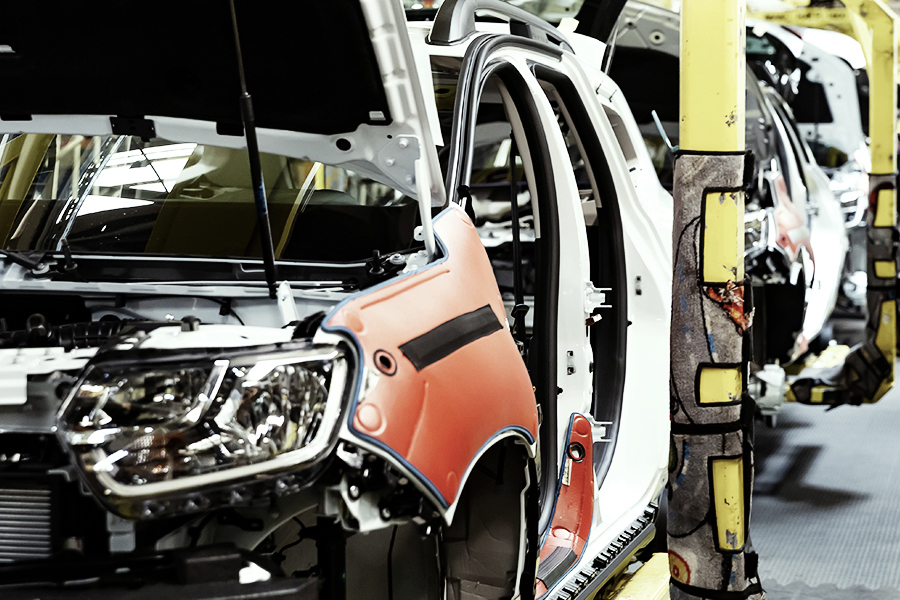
<point>162,426</point>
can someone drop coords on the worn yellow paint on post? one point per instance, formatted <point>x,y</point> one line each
<point>712,89</point>
<point>723,248</point>
<point>720,385</point>
<point>885,269</point>
<point>728,494</point>
<point>886,213</point>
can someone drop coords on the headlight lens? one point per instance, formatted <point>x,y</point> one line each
<point>143,429</point>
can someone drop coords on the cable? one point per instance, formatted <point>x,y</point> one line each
<point>155,172</point>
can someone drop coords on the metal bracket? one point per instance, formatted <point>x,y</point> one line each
<point>595,298</point>
<point>140,127</point>
<point>398,158</point>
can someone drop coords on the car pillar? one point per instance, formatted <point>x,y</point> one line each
<point>711,463</point>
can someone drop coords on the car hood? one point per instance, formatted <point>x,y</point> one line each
<point>332,81</point>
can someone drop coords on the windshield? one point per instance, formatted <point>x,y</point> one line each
<point>121,195</point>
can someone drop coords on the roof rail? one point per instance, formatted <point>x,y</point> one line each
<point>455,23</point>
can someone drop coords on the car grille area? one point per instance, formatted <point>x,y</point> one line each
<point>25,521</point>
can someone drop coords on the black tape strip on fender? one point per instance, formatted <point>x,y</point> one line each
<point>449,337</point>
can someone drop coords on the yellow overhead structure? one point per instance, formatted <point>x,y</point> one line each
<point>840,19</point>
<point>711,468</point>
<point>868,372</point>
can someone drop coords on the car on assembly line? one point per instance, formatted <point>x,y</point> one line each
<point>830,109</point>
<point>795,240</point>
<point>391,321</point>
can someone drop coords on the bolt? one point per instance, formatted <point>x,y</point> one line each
<point>403,143</point>
<point>389,162</point>
<point>386,513</point>
<point>353,492</point>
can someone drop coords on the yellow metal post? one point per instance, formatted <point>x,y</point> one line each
<point>711,468</point>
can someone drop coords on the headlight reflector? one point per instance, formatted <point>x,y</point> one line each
<point>143,429</point>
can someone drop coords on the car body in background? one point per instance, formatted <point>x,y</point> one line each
<point>792,220</point>
<point>827,93</point>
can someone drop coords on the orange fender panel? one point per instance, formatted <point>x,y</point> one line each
<point>574,510</point>
<point>449,377</point>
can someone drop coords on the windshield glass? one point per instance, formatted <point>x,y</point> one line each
<point>120,195</point>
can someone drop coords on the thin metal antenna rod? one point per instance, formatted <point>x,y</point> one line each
<point>256,176</point>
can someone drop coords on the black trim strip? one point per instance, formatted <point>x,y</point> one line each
<point>449,337</point>
<point>556,565</point>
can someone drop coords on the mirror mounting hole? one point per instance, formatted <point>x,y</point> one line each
<point>343,144</point>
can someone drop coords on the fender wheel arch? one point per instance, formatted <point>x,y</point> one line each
<point>488,550</point>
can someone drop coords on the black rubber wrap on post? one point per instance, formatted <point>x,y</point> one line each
<point>705,334</point>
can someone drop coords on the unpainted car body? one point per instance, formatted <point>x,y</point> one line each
<point>202,435</point>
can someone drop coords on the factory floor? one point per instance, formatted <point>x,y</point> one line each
<point>826,501</point>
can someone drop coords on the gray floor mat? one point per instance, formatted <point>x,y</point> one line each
<point>800,591</point>
<point>825,505</point>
